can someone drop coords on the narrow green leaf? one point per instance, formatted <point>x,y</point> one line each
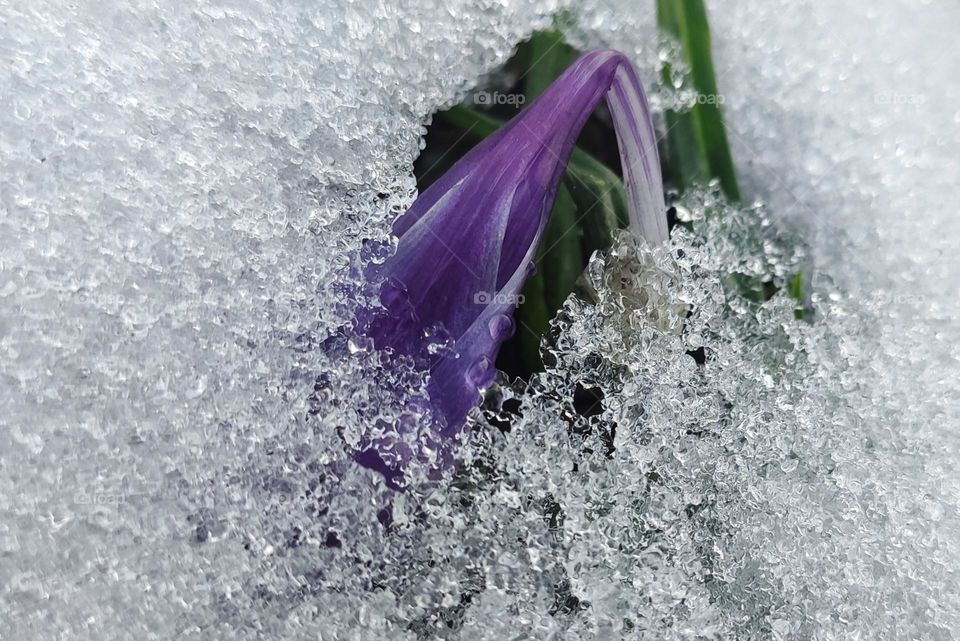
<point>560,260</point>
<point>549,57</point>
<point>697,139</point>
<point>597,208</point>
<point>476,125</point>
<point>796,290</point>
<point>533,320</point>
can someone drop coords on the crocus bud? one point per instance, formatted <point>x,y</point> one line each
<point>467,244</point>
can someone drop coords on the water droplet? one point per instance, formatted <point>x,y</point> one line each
<point>501,327</point>
<point>394,297</point>
<point>481,373</point>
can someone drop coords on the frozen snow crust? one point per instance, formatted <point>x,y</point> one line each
<point>186,192</point>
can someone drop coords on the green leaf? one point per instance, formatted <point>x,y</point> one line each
<point>796,290</point>
<point>533,320</point>
<point>476,125</point>
<point>600,200</point>
<point>548,288</point>
<point>697,140</point>
<point>549,56</point>
<point>560,261</point>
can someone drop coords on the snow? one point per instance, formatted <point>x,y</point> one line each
<point>186,191</point>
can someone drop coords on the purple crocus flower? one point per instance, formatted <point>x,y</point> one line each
<point>466,245</point>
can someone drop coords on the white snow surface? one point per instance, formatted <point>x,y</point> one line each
<point>185,190</point>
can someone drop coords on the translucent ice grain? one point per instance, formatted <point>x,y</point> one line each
<point>182,186</point>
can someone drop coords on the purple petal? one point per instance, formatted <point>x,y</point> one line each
<point>466,245</point>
